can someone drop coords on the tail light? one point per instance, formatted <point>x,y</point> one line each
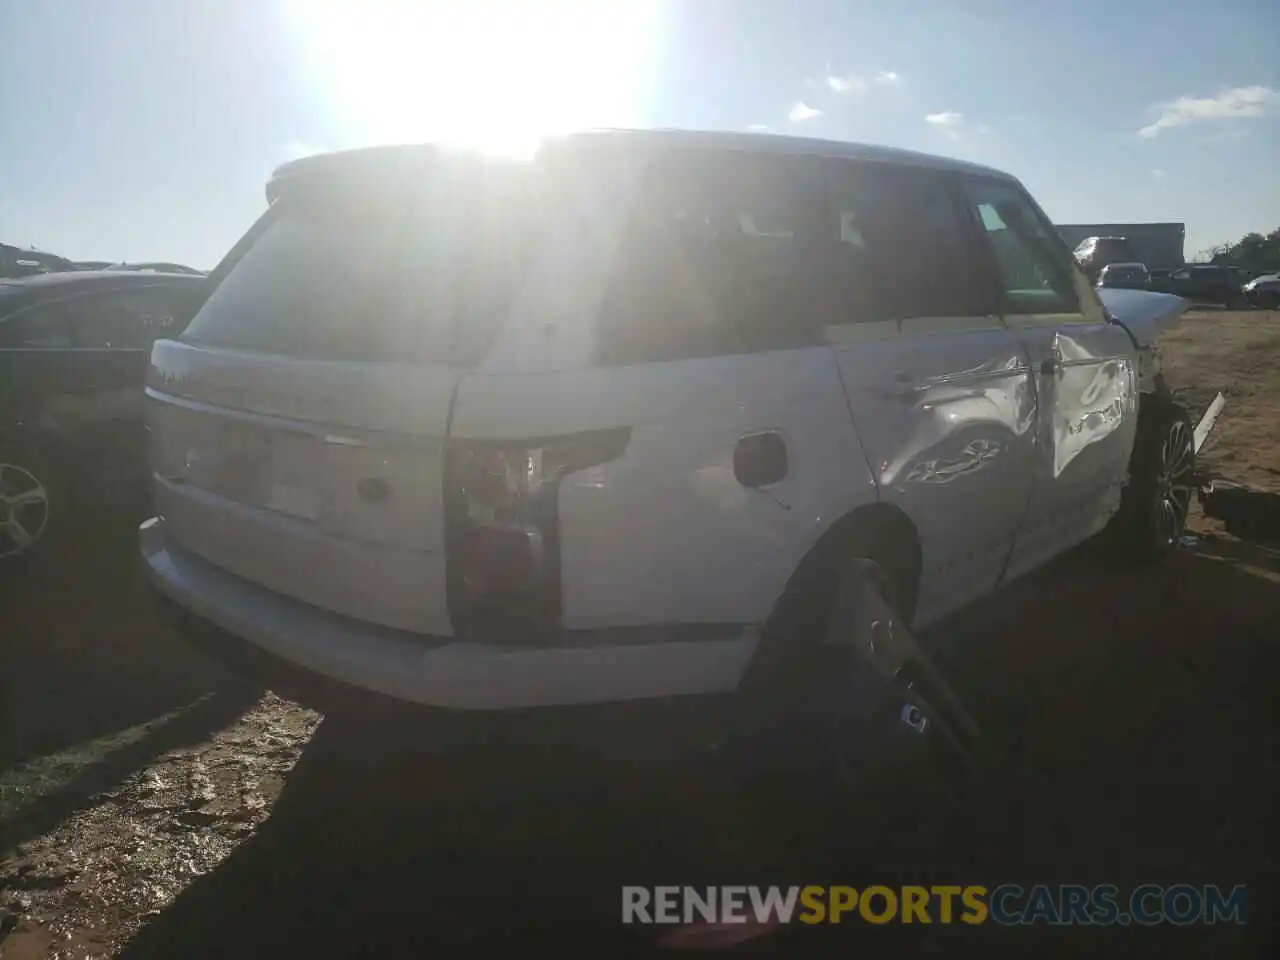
<point>503,530</point>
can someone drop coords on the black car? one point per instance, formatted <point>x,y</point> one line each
<point>73,356</point>
<point>1124,276</point>
<point>1203,284</point>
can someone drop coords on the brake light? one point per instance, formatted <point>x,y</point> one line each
<point>503,530</point>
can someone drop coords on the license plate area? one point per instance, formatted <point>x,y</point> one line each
<point>278,470</point>
<point>297,469</point>
<point>243,465</point>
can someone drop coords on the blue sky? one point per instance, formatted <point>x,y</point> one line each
<point>145,129</point>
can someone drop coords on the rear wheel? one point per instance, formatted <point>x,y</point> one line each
<point>29,504</point>
<point>862,709</point>
<point>1157,498</point>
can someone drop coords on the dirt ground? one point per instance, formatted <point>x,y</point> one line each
<point>151,806</point>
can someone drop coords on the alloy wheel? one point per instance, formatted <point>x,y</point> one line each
<point>24,510</point>
<point>1174,483</point>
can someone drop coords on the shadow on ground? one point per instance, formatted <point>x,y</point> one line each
<point>1145,706</point>
<point>193,724</point>
<point>83,656</point>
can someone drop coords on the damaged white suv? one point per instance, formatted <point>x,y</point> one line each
<point>611,426</point>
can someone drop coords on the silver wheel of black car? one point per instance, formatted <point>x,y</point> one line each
<point>24,510</point>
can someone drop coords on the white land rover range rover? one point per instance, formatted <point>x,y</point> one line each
<point>611,426</point>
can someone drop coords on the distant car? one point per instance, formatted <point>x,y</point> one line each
<point>1124,276</point>
<point>1204,284</point>
<point>1094,253</point>
<point>73,356</point>
<point>16,262</point>
<point>1263,291</point>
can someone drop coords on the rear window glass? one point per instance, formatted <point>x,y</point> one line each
<point>428,275</point>
<point>713,259</point>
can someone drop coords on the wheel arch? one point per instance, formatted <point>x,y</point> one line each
<point>877,531</point>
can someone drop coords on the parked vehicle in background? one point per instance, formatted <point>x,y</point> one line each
<point>17,262</point>
<point>73,355</point>
<point>1203,284</point>
<point>1158,245</point>
<point>157,268</point>
<point>1124,276</point>
<point>620,425</point>
<point>1097,252</point>
<point>1263,291</point>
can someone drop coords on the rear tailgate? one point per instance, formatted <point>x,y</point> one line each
<point>299,421</point>
<point>320,480</point>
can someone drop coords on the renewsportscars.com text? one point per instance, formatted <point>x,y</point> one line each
<point>1007,904</point>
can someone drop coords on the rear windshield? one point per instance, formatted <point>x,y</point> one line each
<point>428,275</point>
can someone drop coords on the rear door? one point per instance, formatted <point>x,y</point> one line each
<point>37,370</point>
<point>939,387</point>
<point>1085,373</point>
<point>299,422</point>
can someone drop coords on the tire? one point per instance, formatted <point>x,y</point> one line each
<point>831,719</point>
<point>1269,300</point>
<point>32,501</point>
<point>1156,500</point>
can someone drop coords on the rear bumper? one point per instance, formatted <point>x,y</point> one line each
<point>321,658</point>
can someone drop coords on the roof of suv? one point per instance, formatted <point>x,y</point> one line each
<point>408,156</point>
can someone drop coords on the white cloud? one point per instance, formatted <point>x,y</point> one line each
<point>856,83</point>
<point>760,128</point>
<point>945,119</point>
<point>951,124</point>
<point>852,83</point>
<point>802,111</point>
<point>1239,102</point>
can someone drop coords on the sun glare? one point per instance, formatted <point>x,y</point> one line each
<point>496,76</point>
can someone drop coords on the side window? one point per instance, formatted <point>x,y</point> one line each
<point>96,322</point>
<point>717,257</point>
<point>155,313</point>
<point>903,250</point>
<point>129,320</point>
<point>40,327</point>
<point>1036,273</point>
